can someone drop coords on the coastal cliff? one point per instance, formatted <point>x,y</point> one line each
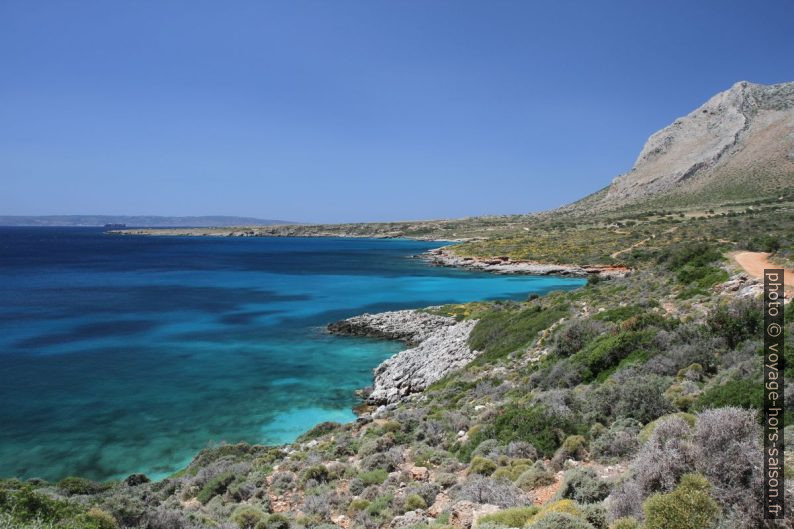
<point>506,265</point>
<point>441,346</point>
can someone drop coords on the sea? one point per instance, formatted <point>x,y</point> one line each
<point>123,354</point>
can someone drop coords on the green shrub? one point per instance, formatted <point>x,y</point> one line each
<point>575,335</point>
<point>506,330</point>
<point>26,506</point>
<point>739,393</point>
<point>98,519</point>
<point>414,502</point>
<point>625,523</point>
<point>639,397</point>
<point>572,448</point>
<point>689,506</point>
<point>229,453</point>
<point>608,350</point>
<point>273,521</point>
<point>317,473</point>
<point>247,516</point>
<point>583,486</point>
<point>318,431</point>
<point>689,254</point>
<point>214,486</point>
<point>701,276</point>
<point>649,428</point>
<point>356,505</point>
<point>736,322</point>
<point>560,506</point>
<point>482,465</point>
<point>617,442</point>
<point>537,476</point>
<point>559,520</point>
<point>74,485</point>
<point>515,517</point>
<point>511,472</point>
<point>515,422</point>
<point>596,515</point>
<point>380,505</point>
<point>374,477</point>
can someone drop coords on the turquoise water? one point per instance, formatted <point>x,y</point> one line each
<point>130,354</point>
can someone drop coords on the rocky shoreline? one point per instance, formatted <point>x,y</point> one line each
<point>440,346</point>
<point>506,265</point>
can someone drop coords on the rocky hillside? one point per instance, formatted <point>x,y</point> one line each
<point>738,145</point>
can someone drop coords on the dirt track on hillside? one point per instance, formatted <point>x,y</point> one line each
<point>754,264</point>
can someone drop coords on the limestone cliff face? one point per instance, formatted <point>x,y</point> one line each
<point>739,141</point>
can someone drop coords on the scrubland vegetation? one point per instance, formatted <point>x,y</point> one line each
<point>630,403</point>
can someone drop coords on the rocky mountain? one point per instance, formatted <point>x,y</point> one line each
<point>738,145</point>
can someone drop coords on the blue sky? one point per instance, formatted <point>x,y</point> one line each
<point>354,111</point>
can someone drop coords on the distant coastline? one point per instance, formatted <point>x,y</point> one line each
<point>122,221</point>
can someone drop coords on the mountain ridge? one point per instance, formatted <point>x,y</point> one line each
<point>737,145</point>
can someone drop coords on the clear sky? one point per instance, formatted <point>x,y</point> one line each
<point>354,110</point>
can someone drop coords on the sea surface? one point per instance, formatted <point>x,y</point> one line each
<point>122,354</point>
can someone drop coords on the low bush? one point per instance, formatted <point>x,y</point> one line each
<point>649,428</point>
<point>25,505</point>
<point>273,521</point>
<point>739,393</point>
<point>282,482</point>
<point>535,425</point>
<point>380,505</point>
<point>505,330</point>
<point>737,321</point>
<point>356,505</point>
<point>414,502</point>
<point>512,470</point>
<point>574,447</point>
<point>481,465</point>
<point>247,516</point>
<point>625,523</point>
<point>536,476</point>
<point>629,394</point>
<point>320,430</point>
<point>515,517</point>
<point>573,336</point>
<point>561,514</point>
<point>318,473</point>
<point>373,477</point>
<point>73,486</point>
<point>583,486</point>
<point>560,520</point>
<point>728,452</point>
<point>213,487</point>
<point>608,350</point>
<point>689,506</point>
<point>596,515</point>
<point>618,442</point>
<point>481,489</point>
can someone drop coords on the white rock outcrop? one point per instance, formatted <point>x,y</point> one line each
<point>505,265</point>
<point>440,347</point>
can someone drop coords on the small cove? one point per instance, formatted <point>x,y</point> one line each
<point>130,354</point>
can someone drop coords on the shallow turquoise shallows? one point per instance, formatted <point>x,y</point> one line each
<point>130,354</point>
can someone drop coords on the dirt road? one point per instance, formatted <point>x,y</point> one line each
<point>754,263</point>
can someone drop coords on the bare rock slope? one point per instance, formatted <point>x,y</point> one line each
<point>441,346</point>
<point>739,144</point>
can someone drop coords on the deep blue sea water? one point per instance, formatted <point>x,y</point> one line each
<point>123,354</point>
